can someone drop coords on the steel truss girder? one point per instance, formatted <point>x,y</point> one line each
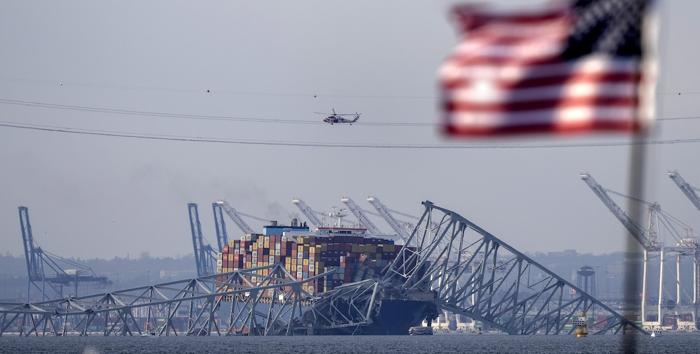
<point>257,301</point>
<point>477,275</point>
<point>352,305</point>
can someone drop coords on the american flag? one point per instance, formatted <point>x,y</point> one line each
<point>568,67</point>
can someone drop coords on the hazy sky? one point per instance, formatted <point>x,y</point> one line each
<point>102,196</point>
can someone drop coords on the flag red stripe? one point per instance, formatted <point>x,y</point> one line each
<point>609,77</point>
<point>478,94</point>
<point>471,18</point>
<point>570,128</point>
<point>486,60</point>
<point>455,106</point>
<point>513,35</point>
<point>451,71</point>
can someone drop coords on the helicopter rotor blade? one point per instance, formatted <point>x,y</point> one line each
<point>333,113</point>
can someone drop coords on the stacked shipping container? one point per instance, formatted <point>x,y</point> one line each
<point>354,258</point>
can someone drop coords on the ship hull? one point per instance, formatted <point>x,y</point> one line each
<point>395,317</point>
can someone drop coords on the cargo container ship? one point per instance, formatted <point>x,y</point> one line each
<point>350,252</point>
<point>353,254</point>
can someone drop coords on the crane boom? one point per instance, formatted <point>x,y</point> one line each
<point>234,215</point>
<point>384,212</point>
<point>200,256</point>
<point>308,212</point>
<point>30,253</point>
<point>360,215</point>
<point>220,225</point>
<point>636,230</point>
<point>687,189</point>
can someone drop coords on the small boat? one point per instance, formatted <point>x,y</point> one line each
<point>420,331</point>
<point>655,333</point>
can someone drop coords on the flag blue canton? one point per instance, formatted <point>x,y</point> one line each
<point>612,27</point>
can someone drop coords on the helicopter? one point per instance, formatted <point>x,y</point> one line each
<point>333,118</point>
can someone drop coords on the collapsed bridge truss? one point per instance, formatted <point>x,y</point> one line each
<point>447,262</point>
<point>256,301</point>
<point>477,275</point>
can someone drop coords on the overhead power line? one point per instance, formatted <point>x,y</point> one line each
<point>110,110</point>
<point>266,120</point>
<point>485,146</point>
<point>214,90</point>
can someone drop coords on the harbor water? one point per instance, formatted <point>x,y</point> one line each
<point>668,343</point>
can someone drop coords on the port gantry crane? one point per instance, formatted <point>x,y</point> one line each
<point>204,255</point>
<point>688,190</point>
<point>310,214</point>
<point>403,230</point>
<point>648,237</point>
<point>219,226</point>
<point>47,271</point>
<point>359,213</point>
<point>647,240</point>
<point>235,215</point>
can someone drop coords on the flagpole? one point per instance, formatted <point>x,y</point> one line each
<point>634,255</point>
<point>634,250</point>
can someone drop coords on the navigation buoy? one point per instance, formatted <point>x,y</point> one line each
<point>581,325</point>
